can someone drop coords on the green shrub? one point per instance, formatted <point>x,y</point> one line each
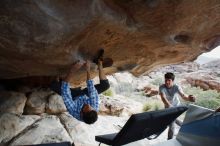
<point>157,106</point>
<point>208,103</point>
<point>147,107</point>
<point>108,92</point>
<point>157,81</point>
<point>209,99</point>
<point>142,93</point>
<point>153,105</point>
<point>198,92</point>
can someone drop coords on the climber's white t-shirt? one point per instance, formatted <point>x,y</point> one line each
<point>172,93</point>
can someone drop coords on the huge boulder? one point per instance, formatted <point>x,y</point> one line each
<point>84,134</point>
<point>36,102</point>
<point>55,104</point>
<point>11,125</point>
<point>43,38</point>
<point>46,130</point>
<point>12,102</point>
<point>119,106</point>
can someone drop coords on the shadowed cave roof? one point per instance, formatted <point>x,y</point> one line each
<point>43,38</point>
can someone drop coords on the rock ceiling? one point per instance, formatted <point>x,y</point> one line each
<point>44,37</point>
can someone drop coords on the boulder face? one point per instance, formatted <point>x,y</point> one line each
<point>43,38</point>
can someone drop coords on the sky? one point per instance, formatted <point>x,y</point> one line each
<point>215,53</point>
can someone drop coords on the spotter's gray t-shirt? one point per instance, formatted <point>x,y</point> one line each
<point>172,94</point>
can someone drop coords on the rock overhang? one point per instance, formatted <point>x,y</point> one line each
<point>43,38</point>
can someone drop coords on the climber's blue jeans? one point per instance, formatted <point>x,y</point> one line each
<point>75,92</point>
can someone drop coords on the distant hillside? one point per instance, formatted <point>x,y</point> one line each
<point>204,60</point>
<point>212,64</point>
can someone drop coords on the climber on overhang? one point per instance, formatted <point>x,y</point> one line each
<point>83,104</point>
<point>85,107</point>
<point>101,87</point>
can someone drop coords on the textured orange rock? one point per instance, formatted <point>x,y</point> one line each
<point>42,38</point>
<point>204,83</point>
